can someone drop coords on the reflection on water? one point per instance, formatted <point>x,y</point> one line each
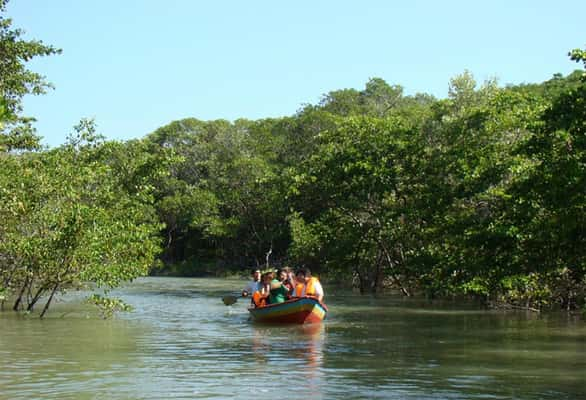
<point>297,352</point>
<point>182,342</point>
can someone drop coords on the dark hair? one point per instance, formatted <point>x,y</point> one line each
<point>301,271</point>
<point>254,270</point>
<point>270,275</point>
<point>285,270</point>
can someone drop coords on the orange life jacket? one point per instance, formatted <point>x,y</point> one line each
<point>299,289</point>
<point>309,288</point>
<point>259,300</point>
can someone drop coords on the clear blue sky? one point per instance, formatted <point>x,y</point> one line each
<point>136,65</point>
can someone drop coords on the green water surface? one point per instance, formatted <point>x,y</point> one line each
<point>181,342</point>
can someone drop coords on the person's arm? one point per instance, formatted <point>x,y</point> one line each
<point>319,290</point>
<point>247,290</point>
<point>294,283</point>
<point>275,285</point>
<point>265,290</point>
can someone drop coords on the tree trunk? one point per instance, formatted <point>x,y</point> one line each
<point>268,255</point>
<point>8,280</point>
<point>36,298</point>
<point>49,301</point>
<point>20,295</point>
<point>362,283</point>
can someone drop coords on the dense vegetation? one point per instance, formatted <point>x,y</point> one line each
<point>480,194</point>
<point>72,215</point>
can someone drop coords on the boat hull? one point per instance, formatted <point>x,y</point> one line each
<point>300,310</point>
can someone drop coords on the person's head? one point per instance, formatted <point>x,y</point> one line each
<point>267,277</point>
<point>255,274</point>
<point>303,274</point>
<point>288,272</point>
<point>281,275</point>
<point>300,275</point>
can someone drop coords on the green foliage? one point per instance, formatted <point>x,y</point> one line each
<point>222,198</point>
<point>481,194</point>
<point>108,306</point>
<point>348,198</point>
<point>550,196</point>
<point>69,220</point>
<point>579,55</point>
<point>378,99</point>
<point>16,81</point>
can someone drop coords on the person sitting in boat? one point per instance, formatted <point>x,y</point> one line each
<point>287,278</point>
<point>281,287</point>
<point>307,285</point>
<point>253,285</point>
<point>271,291</point>
<point>260,298</point>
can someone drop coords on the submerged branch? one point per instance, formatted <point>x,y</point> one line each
<point>48,303</point>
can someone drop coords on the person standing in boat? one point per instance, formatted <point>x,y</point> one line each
<point>307,285</point>
<point>253,285</point>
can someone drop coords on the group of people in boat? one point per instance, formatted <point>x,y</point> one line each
<point>282,285</point>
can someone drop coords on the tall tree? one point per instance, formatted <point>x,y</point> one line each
<point>349,202</point>
<point>16,81</point>
<point>68,219</point>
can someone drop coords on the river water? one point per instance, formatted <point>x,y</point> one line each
<point>181,342</point>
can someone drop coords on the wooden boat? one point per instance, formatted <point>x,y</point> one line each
<point>299,310</point>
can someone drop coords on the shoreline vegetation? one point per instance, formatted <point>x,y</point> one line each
<point>479,195</point>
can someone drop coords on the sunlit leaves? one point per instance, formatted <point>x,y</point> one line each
<point>16,81</point>
<point>70,220</point>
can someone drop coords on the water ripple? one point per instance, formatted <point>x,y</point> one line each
<point>183,343</point>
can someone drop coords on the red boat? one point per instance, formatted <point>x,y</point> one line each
<point>299,310</point>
